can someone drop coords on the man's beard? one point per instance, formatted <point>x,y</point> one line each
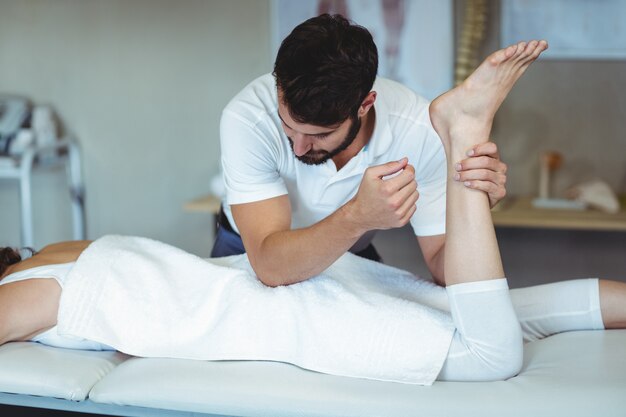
<point>320,157</point>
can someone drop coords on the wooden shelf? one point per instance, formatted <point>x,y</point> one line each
<point>206,204</point>
<point>519,212</point>
<point>514,212</point>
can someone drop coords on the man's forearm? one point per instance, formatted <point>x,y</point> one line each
<point>292,256</point>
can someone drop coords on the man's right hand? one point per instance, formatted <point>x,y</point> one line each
<point>386,197</point>
<point>280,255</point>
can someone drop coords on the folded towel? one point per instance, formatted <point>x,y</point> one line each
<point>359,318</point>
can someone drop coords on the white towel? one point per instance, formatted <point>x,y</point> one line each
<point>359,318</point>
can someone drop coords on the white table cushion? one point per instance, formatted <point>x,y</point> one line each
<point>35,369</point>
<point>573,374</point>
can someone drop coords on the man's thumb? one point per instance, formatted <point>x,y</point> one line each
<point>390,168</point>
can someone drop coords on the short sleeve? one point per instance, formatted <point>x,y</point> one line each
<point>431,176</point>
<point>249,160</point>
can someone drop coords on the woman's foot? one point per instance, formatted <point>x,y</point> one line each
<point>463,116</point>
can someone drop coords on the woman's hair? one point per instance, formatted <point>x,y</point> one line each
<point>324,69</point>
<point>10,256</point>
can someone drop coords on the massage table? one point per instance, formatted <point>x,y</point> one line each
<point>568,374</point>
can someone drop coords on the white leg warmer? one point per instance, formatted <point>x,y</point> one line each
<point>541,310</point>
<point>544,310</point>
<point>487,345</point>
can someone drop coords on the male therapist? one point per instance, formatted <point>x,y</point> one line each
<point>321,154</point>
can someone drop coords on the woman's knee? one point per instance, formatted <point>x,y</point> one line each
<point>508,365</point>
<point>494,359</point>
<point>505,355</point>
<point>488,328</point>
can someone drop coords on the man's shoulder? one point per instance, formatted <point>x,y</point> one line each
<point>255,100</point>
<point>389,86</point>
<point>398,98</point>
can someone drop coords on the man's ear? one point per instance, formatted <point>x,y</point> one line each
<point>367,103</point>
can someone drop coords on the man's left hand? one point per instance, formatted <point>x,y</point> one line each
<point>484,171</point>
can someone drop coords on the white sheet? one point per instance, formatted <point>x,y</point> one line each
<point>359,318</point>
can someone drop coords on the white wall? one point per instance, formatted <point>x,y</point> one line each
<point>575,107</point>
<point>142,84</point>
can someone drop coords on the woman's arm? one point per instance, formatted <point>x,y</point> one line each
<point>28,308</point>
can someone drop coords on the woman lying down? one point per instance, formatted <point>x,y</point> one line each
<point>359,318</point>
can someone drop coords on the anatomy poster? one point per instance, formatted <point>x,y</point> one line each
<point>414,37</point>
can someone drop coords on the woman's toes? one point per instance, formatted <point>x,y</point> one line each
<point>531,47</point>
<point>510,51</point>
<point>524,54</point>
<point>534,54</point>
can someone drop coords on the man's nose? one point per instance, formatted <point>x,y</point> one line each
<point>301,144</point>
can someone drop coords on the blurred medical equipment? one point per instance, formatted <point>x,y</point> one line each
<point>24,147</point>
<point>13,113</point>
<point>597,194</point>
<point>549,162</point>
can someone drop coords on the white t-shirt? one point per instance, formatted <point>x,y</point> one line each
<point>258,162</point>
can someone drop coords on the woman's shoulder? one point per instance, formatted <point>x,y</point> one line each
<point>61,247</point>
<point>55,253</point>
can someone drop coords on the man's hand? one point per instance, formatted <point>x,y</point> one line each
<point>281,255</point>
<point>386,197</point>
<point>484,171</point>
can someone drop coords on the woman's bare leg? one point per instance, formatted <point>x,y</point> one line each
<point>613,304</point>
<point>463,118</point>
<point>487,344</point>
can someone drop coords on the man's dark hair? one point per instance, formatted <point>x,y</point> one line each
<point>324,69</point>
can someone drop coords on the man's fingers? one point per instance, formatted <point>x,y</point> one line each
<point>415,195</point>
<point>408,208</point>
<point>481,175</point>
<point>483,171</point>
<point>403,194</point>
<point>484,149</point>
<point>410,168</point>
<point>402,179</point>
<point>496,192</point>
<point>390,168</point>
<point>408,215</point>
<point>481,162</point>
